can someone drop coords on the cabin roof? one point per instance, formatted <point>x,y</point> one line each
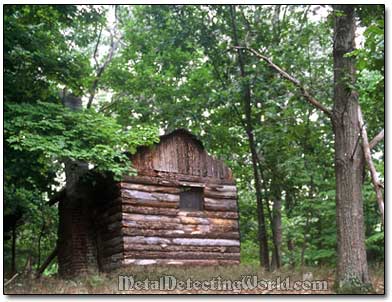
<point>182,131</point>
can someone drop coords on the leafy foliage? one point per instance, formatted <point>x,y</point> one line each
<point>176,67</point>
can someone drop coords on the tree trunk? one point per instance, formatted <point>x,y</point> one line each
<point>289,205</point>
<point>263,239</point>
<point>305,243</point>
<point>277,229</point>
<point>41,233</point>
<point>13,252</point>
<point>352,270</point>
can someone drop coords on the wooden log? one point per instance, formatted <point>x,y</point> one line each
<point>150,203</point>
<point>139,209</point>
<point>182,262</point>
<point>216,201</point>
<point>182,248</point>
<point>225,207</point>
<point>225,192</point>
<point>152,218</point>
<point>211,214</point>
<point>179,241</point>
<point>150,188</point>
<point>226,195</point>
<point>148,180</point>
<point>207,242</point>
<point>176,179</point>
<point>179,234</point>
<point>225,226</point>
<point>141,195</point>
<point>178,219</point>
<point>146,225</point>
<point>180,255</point>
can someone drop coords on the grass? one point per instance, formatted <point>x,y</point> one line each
<point>107,283</point>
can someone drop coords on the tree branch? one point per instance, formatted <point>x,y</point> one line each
<point>368,157</point>
<point>96,47</point>
<point>305,93</point>
<point>101,69</point>
<point>379,137</point>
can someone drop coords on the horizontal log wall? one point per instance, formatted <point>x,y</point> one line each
<point>156,231</point>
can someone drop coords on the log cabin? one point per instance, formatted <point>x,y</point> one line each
<point>180,209</point>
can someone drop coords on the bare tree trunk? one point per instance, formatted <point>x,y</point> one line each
<point>277,229</point>
<point>263,239</point>
<point>305,243</point>
<point>289,205</point>
<point>13,251</point>
<point>352,269</point>
<point>41,233</point>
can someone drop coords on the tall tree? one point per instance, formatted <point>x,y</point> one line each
<point>247,101</point>
<point>352,269</point>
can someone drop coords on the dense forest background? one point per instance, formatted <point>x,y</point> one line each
<point>144,70</point>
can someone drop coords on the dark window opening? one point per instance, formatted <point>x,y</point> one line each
<point>191,199</point>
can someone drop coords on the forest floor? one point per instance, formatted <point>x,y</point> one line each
<point>242,279</point>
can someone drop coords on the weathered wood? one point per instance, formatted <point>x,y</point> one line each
<point>150,203</point>
<point>182,262</point>
<point>142,219</point>
<point>148,180</point>
<point>180,153</point>
<point>194,228</point>
<point>141,195</point>
<point>215,192</point>
<point>180,255</point>
<point>179,219</point>
<point>139,209</point>
<point>224,206</point>
<point>180,234</point>
<point>179,241</point>
<point>184,179</point>
<point>182,248</point>
<point>175,180</point>
<point>210,214</point>
<point>150,188</point>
